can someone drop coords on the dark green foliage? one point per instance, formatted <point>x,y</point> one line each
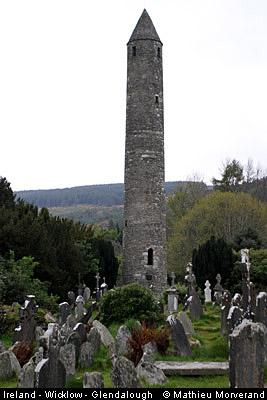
<point>213,257</point>
<point>232,177</point>
<point>129,301</point>
<point>7,197</point>
<point>52,242</point>
<point>247,239</point>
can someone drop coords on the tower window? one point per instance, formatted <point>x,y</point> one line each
<point>126,223</point>
<point>150,257</point>
<point>156,99</point>
<point>159,54</point>
<point>134,50</point>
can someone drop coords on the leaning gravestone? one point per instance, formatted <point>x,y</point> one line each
<point>226,305</point>
<point>106,338</point>
<point>86,355</point>
<point>180,342</point>
<point>94,338</point>
<point>261,308</point>
<point>187,324</point>
<point>246,357</point>
<point>25,331</point>
<point>123,373</point>
<point>5,366</point>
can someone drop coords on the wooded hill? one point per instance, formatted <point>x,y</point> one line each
<point>99,195</point>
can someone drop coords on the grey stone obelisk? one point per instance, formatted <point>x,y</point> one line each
<point>144,238</point>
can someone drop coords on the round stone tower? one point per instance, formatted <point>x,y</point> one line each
<point>144,237</point>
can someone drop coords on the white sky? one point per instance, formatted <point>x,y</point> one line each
<point>63,87</point>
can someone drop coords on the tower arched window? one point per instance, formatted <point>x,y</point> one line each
<point>157,99</point>
<point>150,257</point>
<point>134,50</point>
<point>159,53</point>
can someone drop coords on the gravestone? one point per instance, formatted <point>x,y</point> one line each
<point>25,331</point>
<point>237,300</point>
<point>150,373</point>
<point>5,366</point>
<point>86,355</point>
<point>122,346</point>
<point>71,297</point>
<point>106,338</point>
<point>94,338</point>
<point>68,357</point>
<point>93,380</point>
<point>50,371</point>
<point>172,294</point>
<point>248,288</point>
<point>192,300</point>
<point>79,309</point>
<point>187,324</point>
<point>180,342</point>
<point>123,373</point>
<point>261,308</point>
<point>75,339</point>
<point>104,287</point>
<point>226,305</point>
<point>81,330</point>
<point>218,291</point>
<point>150,350</point>
<point>246,356</point>
<point>64,312</point>
<point>86,294</point>
<point>234,318</point>
<point>26,375</point>
<point>207,292</point>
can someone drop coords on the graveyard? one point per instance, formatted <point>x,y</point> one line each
<point>201,340</point>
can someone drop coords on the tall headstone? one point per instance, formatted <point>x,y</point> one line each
<point>218,291</point>
<point>207,292</point>
<point>104,286</point>
<point>261,308</point>
<point>172,294</point>
<point>64,312</point>
<point>248,289</point>
<point>246,356</point>
<point>144,233</point>
<point>25,331</point>
<point>226,305</point>
<point>192,300</point>
<point>79,309</point>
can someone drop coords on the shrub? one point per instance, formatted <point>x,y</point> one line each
<point>145,334</point>
<point>23,352</point>
<point>129,301</point>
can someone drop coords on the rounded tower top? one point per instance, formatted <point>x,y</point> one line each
<point>144,29</point>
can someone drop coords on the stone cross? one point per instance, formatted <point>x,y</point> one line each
<point>207,291</point>
<point>173,279</point>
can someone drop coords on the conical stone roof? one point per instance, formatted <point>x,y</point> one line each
<point>144,29</point>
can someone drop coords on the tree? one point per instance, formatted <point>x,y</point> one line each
<point>222,215</point>
<point>213,257</point>
<point>232,176</point>
<point>7,197</point>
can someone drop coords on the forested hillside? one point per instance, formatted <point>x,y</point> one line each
<point>99,195</point>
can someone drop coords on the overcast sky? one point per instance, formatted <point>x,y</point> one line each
<point>63,87</point>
